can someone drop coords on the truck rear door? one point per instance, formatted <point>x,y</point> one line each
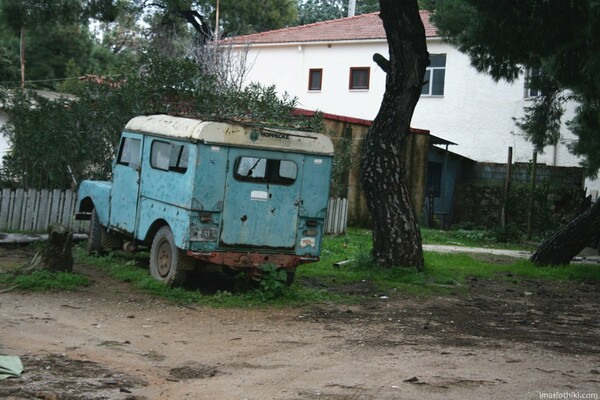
<point>262,199</point>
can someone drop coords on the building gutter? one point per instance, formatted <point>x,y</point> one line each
<point>315,43</point>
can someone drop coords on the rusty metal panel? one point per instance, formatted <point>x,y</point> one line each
<point>261,213</point>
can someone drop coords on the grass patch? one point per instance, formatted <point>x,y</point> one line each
<point>322,282</point>
<point>469,238</point>
<point>442,273</point>
<point>239,293</point>
<point>43,280</point>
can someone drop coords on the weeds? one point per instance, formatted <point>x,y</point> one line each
<point>273,282</point>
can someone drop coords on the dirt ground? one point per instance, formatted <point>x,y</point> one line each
<point>498,339</point>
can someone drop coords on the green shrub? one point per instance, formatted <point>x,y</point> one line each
<point>273,283</point>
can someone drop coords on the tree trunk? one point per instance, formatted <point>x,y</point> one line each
<point>57,253</point>
<point>565,244</point>
<point>396,235</point>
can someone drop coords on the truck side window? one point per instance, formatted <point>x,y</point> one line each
<point>178,160</point>
<point>264,170</point>
<point>169,157</point>
<point>129,153</point>
<point>160,155</point>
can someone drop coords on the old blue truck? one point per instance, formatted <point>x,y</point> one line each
<point>212,193</point>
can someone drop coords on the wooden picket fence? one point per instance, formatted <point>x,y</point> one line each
<point>337,216</point>
<point>35,210</point>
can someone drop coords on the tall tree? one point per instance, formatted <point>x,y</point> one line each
<point>396,234</point>
<point>49,137</point>
<point>45,35</point>
<point>310,11</point>
<point>235,17</point>
<point>560,39</point>
<point>245,17</point>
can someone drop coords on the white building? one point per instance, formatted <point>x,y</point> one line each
<point>328,66</point>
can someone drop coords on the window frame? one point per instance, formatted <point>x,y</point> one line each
<point>354,70</point>
<point>428,79</point>
<point>175,149</point>
<point>529,92</point>
<point>125,148</point>
<point>311,79</point>
<point>269,176</point>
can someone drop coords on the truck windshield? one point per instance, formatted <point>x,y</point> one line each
<point>265,170</point>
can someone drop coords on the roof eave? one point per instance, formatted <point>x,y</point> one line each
<point>317,42</point>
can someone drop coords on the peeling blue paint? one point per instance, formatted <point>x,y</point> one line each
<point>275,204</point>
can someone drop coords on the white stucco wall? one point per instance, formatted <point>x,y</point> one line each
<point>475,112</point>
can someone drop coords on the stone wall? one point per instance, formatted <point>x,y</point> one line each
<point>491,173</point>
<point>559,196</point>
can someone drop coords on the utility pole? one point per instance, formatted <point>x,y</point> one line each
<point>217,23</point>
<point>351,8</point>
<point>22,57</point>
<point>216,40</point>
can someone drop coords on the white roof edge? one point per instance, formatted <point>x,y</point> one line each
<point>231,134</point>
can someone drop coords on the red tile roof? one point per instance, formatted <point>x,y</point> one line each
<point>360,27</point>
<point>351,120</point>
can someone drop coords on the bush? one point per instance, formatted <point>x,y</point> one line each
<point>509,233</point>
<point>273,283</point>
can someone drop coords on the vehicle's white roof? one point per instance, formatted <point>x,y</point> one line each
<point>231,134</point>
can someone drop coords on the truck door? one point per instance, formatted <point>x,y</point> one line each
<point>126,183</point>
<point>262,199</point>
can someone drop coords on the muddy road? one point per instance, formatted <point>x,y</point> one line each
<point>503,339</point>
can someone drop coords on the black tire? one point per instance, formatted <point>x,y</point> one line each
<point>168,263</point>
<point>94,242</point>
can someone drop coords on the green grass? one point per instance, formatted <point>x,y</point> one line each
<point>442,272</point>
<point>44,281</point>
<point>124,267</point>
<point>469,238</point>
<point>322,282</point>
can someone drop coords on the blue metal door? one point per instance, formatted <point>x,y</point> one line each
<point>262,199</point>
<point>126,183</point>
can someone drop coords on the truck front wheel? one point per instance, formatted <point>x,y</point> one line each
<point>168,263</point>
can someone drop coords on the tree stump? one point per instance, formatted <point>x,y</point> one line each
<point>56,255</point>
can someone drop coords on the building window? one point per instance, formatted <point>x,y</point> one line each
<point>359,78</point>
<point>435,76</point>
<point>315,79</point>
<point>530,77</point>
